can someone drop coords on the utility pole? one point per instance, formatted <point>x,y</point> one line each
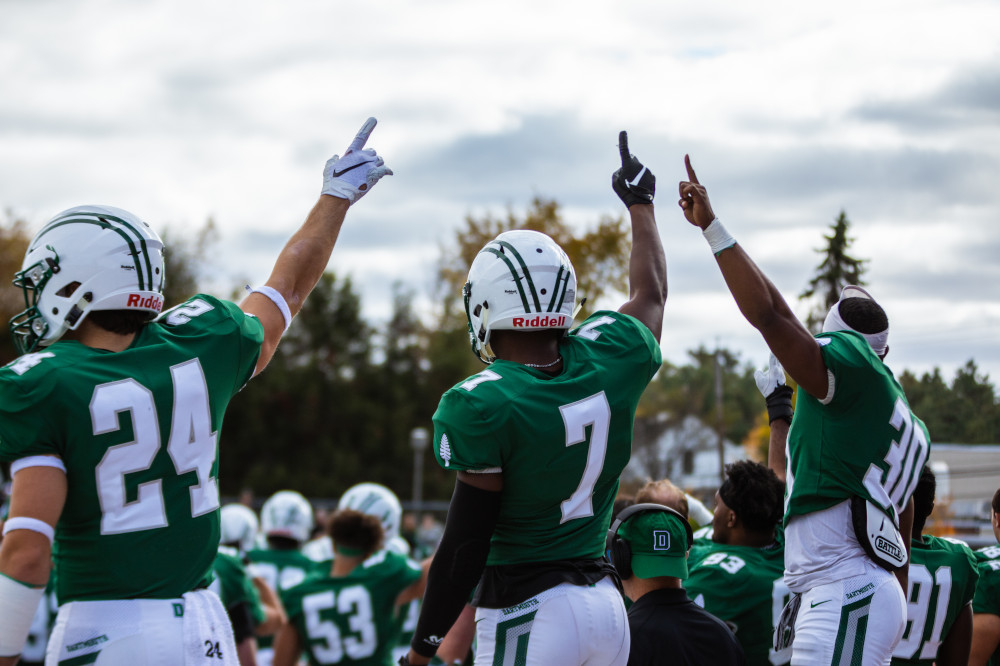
<point>719,427</point>
<point>418,442</point>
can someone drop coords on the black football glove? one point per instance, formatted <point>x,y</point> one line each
<point>777,394</point>
<point>633,183</point>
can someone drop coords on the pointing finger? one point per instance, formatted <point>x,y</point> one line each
<point>623,147</point>
<point>362,135</point>
<point>691,175</point>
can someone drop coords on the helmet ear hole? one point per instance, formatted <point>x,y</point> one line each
<point>68,290</point>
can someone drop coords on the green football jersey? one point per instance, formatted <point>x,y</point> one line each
<point>281,570</point>
<point>352,619</point>
<point>744,587</point>
<point>942,581</point>
<point>561,441</point>
<point>233,584</point>
<point>865,442</point>
<point>987,599</point>
<point>138,432</point>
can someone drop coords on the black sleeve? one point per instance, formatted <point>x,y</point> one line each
<point>457,565</point>
<point>241,618</point>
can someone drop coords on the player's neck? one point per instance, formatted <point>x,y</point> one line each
<point>741,537</point>
<point>636,587</point>
<point>92,335</point>
<point>344,565</point>
<point>538,349</point>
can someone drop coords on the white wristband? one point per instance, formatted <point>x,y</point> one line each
<point>18,603</point>
<point>277,299</point>
<point>717,236</point>
<point>33,524</point>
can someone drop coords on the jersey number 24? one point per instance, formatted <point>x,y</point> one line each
<point>191,447</point>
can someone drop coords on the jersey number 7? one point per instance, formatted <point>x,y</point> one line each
<point>595,412</point>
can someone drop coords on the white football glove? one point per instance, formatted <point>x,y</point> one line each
<point>770,378</point>
<point>351,176</point>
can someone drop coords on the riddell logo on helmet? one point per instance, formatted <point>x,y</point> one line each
<point>148,303</point>
<point>538,322</point>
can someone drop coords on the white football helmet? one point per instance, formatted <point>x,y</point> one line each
<point>521,280</point>
<point>375,500</point>
<point>239,526</point>
<point>398,545</point>
<point>287,514</point>
<point>86,258</point>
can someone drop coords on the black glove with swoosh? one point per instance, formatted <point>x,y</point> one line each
<point>633,183</point>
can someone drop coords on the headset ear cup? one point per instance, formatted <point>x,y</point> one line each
<point>621,557</point>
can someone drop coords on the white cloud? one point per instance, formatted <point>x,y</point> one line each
<point>180,109</point>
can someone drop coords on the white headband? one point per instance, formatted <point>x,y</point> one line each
<point>834,322</point>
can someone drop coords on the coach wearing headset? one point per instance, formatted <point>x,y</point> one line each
<point>648,544</point>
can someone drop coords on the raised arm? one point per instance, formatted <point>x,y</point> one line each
<point>306,254</point>
<point>757,297</point>
<point>778,397</point>
<point>635,185</point>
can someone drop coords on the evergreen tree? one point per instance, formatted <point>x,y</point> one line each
<point>837,270</point>
<point>14,239</point>
<point>966,412</point>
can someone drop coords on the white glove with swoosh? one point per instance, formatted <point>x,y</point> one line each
<point>351,176</point>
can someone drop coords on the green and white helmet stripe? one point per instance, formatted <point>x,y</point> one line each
<point>376,500</point>
<point>561,281</point>
<point>84,259</point>
<point>517,274</point>
<point>133,238</point>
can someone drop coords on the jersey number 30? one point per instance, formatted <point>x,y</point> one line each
<point>191,446</point>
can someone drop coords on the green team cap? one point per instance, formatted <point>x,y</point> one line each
<point>659,544</point>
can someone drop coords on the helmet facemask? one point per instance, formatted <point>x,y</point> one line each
<point>29,327</point>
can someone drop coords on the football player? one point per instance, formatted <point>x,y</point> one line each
<point>286,520</point>
<point>539,440</point>
<point>253,606</point>
<point>375,500</point>
<point>241,600</point>
<point>737,576</point>
<point>239,527</point>
<point>347,614</point>
<point>986,605</point>
<point>110,419</point>
<point>855,451</point>
<point>942,582</point>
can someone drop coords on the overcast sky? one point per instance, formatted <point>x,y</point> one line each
<point>181,109</point>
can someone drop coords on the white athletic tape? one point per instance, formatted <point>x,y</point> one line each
<point>17,609</point>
